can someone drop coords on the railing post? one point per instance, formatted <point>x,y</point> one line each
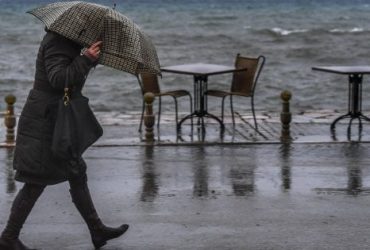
<point>149,118</point>
<point>10,120</point>
<point>285,116</point>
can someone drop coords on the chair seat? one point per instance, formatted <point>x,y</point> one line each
<point>174,93</point>
<point>221,93</point>
<point>218,93</point>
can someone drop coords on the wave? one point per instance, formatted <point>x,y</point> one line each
<point>350,30</point>
<point>276,31</point>
<point>285,32</point>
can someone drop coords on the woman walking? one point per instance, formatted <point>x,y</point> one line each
<point>58,59</point>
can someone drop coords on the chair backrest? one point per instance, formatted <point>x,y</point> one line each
<point>149,83</point>
<point>245,81</point>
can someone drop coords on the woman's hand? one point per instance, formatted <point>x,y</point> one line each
<point>93,51</point>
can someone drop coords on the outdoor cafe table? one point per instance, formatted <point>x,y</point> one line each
<point>200,72</point>
<point>355,75</point>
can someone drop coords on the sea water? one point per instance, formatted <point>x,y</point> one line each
<point>293,35</point>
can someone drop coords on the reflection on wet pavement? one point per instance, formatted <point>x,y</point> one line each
<point>200,170</point>
<point>150,176</point>
<point>6,170</point>
<point>242,174</point>
<point>238,170</point>
<point>285,166</point>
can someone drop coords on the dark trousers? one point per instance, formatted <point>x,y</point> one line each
<point>26,199</point>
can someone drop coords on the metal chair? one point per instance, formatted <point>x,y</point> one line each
<point>243,83</point>
<point>149,83</point>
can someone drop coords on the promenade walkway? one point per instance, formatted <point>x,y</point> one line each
<point>311,126</point>
<point>243,190</point>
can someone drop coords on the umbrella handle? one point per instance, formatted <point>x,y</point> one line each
<point>81,32</point>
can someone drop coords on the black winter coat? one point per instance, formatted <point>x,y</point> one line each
<point>33,158</point>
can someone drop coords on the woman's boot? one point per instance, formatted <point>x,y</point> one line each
<point>100,233</point>
<point>21,208</point>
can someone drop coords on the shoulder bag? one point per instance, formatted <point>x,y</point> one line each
<point>76,126</point>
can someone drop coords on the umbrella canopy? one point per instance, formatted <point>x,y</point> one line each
<point>125,47</point>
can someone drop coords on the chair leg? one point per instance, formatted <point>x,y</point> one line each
<point>142,116</point>
<point>159,110</point>
<point>191,110</point>
<point>232,109</point>
<point>222,108</point>
<point>254,114</point>
<point>176,113</point>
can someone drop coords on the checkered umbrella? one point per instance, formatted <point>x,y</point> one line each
<point>125,47</point>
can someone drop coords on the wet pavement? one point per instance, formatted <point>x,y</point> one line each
<point>209,192</point>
